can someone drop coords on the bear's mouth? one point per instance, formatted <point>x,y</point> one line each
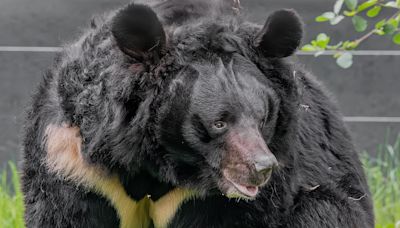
<point>242,190</point>
<point>239,186</point>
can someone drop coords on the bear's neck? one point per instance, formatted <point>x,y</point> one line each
<point>144,184</point>
<point>151,200</point>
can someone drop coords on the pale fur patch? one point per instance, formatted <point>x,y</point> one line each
<point>164,209</point>
<point>64,157</point>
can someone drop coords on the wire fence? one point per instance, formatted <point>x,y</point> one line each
<point>356,53</point>
<point>354,119</point>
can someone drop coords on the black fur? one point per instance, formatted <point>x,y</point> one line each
<point>281,34</point>
<point>138,32</point>
<point>149,121</point>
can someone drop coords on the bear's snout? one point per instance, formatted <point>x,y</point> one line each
<point>251,173</point>
<point>248,162</point>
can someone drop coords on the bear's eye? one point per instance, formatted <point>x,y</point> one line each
<point>219,125</point>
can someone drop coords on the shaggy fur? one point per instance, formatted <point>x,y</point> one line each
<point>138,92</point>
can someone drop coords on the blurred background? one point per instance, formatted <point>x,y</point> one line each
<point>371,87</point>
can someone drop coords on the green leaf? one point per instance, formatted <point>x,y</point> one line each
<point>379,32</point>
<point>325,17</point>
<point>351,4</point>
<point>323,40</point>
<point>374,11</point>
<point>314,43</point>
<point>345,60</point>
<point>308,47</point>
<point>350,13</point>
<point>349,45</point>
<point>398,3</point>
<point>366,5</point>
<point>337,20</point>
<point>321,19</point>
<point>360,24</point>
<point>392,4</point>
<point>380,24</point>
<point>389,29</point>
<point>334,47</point>
<point>338,6</point>
<point>396,38</point>
<point>393,22</point>
<point>322,37</point>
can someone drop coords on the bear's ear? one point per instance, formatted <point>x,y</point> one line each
<point>281,34</point>
<point>138,32</point>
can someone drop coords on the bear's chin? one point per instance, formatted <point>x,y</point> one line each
<point>234,190</point>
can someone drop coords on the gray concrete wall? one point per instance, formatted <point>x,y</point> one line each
<point>369,88</point>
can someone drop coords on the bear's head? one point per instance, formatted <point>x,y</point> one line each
<point>223,114</point>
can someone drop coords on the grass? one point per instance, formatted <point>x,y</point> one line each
<point>383,173</point>
<point>11,203</point>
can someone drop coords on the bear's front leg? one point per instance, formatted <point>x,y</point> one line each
<point>61,204</point>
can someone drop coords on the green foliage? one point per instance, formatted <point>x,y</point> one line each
<point>351,4</point>
<point>345,60</point>
<point>327,16</point>
<point>374,11</point>
<point>357,12</point>
<point>338,6</point>
<point>396,38</point>
<point>367,5</point>
<point>360,24</point>
<point>383,174</point>
<point>11,201</point>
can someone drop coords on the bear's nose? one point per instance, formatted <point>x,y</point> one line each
<point>265,162</point>
<point>263,166</point>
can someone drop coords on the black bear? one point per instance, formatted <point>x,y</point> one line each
<point>182,114</point>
